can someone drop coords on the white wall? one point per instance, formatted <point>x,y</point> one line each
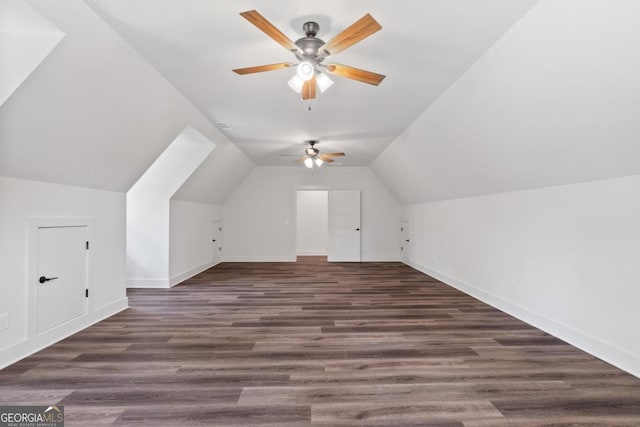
<point>565,259</point>
<point>312,222</point>
<point>20,200</point>
<point>259,217</point>
<point>147,241</point>
<point>191,249</point>
<point>148,208</point>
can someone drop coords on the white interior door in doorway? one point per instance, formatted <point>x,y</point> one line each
<point>62,280</point>
<point>405,241</point>
<point>344,226</point>
<point>216,240</point>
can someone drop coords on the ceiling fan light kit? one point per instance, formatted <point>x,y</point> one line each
<point>323,82</point>
<point>311,51</point>
<point>305,70</point>
<point>296,83</point>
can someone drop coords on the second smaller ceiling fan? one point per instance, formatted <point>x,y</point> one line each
<point>313,157</point>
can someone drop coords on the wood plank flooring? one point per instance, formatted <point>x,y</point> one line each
<point>317,344</point>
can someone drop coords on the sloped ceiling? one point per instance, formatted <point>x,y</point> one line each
<point>217,177</point>
<point>424,46</point>
<point>26,38</point>
<point>96,114</point>
<point>173,167</point>
<point>555,101</point>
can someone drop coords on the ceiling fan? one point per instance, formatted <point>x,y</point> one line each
<point>312,156</point>
<point>312,51</point>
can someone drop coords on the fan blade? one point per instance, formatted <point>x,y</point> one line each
<point>261,68</point>
<point>326,159</point>
<point>359,30</point>
<point>269,29</point>
<point>309,89</point>
<point>340,154</point>
<point>355,74</point>
<point>301,159</point>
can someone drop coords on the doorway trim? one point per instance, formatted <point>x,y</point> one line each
<point>33,225</point>
<point>405,241</point>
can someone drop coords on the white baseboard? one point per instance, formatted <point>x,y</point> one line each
<point>259,259</point>
<point>19,351</point>
<point>595,346</point>
<point>389,258</point>
<point>148,283</point>
<point>381,258</point>
<point>190,273</point>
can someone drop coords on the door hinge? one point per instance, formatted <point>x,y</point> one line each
<point>220,248</point>
<point>86,293</point>
<point>87,245</point>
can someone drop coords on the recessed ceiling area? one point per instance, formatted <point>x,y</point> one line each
<point>423,48</point>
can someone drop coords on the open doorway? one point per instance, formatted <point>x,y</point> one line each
<point>312,229</point>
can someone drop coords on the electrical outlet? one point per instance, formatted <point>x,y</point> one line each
<point>4,321</point>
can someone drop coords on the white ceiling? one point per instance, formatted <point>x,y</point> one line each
<point>26,38</point>
<point>555,101</point>
<point>95,114</point>
<point>423,48</point>
<point>474,103</point>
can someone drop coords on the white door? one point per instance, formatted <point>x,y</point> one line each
<point>344,226</point>
<point>61,291</point>
<point>217,240</point>
<point>405,241</point>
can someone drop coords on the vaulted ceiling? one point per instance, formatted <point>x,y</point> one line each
<point>96,114</point>
<point>480,96</point>
<point>555,101</point>
<point>424,46</point>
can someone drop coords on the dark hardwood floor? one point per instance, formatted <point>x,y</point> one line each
<point>311,343</point>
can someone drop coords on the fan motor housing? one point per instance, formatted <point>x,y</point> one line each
<point>310,45</point>
<point>311,151</point>
<point>311,28</point>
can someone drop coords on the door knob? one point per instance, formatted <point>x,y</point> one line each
<point>407,240</point>
<point>357,229</point>
<point>213,240</point>
<point>43,279</point>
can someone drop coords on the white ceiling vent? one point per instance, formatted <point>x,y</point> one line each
<point>223,126</point>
